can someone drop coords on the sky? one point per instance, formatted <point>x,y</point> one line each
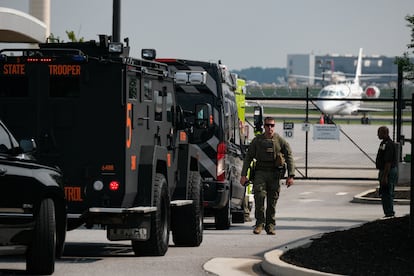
<point>240,33</point>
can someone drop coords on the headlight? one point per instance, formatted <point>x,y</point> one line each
<point>115,47</point>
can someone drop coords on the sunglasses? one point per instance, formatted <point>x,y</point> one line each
<point>270,125</point>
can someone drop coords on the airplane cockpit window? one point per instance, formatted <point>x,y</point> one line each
<point>325,93</point>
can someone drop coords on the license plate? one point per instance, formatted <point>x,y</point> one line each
<point>119,234</point>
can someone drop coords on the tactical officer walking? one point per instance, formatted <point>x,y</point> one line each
<point>271,153</point>
<point>386,163</point>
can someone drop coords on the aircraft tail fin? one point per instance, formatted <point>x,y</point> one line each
<point>359,67</point>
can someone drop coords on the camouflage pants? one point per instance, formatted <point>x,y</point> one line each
<point>266,186</point>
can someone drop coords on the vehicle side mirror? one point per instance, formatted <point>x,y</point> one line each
<point>203,116</point>
<point>178,119</point>
<point>148,54</point>
<point>258,118</point>
<point>28,145</point>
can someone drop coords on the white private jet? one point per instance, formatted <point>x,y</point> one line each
<point>336,95</point>
<point>339,98</point>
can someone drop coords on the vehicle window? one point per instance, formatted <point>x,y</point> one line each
<point>188,102</point>
<point>169,105</point>
<point>158,106</point>
<point>5,143</point>
<point>226,108</point>
<point>133,88</point>
<point>147,91</point>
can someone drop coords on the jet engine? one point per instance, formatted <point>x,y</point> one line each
<point>371,92</point>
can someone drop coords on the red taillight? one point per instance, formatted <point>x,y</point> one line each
<point>114,185</point>
<point>221,155</point>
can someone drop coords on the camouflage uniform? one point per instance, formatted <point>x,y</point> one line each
<point>266,184</point>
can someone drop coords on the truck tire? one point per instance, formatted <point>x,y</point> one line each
<point>222,217</point>
<point>157,244</point>
<point>187,226</point>
<point>40,255</point>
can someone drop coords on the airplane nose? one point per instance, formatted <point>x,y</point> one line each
<point>328,107</point>
<point>322,105</point>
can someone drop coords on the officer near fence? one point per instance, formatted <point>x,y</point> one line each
<point>386,163</point>
<point>272,154</point>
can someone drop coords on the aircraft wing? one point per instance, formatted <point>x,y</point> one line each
<point>379,75</point>
<point>301,105</point>
<point>280,104</point>
<point>368,109</point>
<point>305,77</point>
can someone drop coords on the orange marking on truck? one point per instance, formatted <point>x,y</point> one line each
<point>65,70</point>
<point>169,159</point>
<point>128,125</point>
<point>108,167</point>
<point>183,136</point>
<point>73,194</point>
<point>13,69</point>
<point>133,162</point>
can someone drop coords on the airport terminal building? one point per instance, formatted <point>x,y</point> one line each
<point>311,69</point>
<point>20,27</point>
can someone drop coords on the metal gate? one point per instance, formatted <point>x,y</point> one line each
<point>352,155</point>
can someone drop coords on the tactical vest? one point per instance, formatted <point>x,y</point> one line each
<point>269,153</point>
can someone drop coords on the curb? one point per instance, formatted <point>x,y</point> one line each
<point>361,198</point>
<point>274,266</point>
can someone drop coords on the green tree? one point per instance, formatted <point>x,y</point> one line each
<point>72,37</point>
<point>404,61</point>
<point>70,34</point>
<point>410,19</point>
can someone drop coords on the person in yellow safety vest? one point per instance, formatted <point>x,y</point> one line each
<point>248,199</point>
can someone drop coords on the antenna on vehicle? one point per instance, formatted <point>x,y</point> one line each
<point>116,21</point>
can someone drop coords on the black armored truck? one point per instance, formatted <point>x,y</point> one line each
<point>112,124</point>
<point>216,134</point>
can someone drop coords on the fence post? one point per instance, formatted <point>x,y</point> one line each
<point>411,234</point>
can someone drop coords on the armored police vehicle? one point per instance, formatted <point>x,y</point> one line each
<point>112,124</point>
<point>32,205</point>
<point>218,141</point>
